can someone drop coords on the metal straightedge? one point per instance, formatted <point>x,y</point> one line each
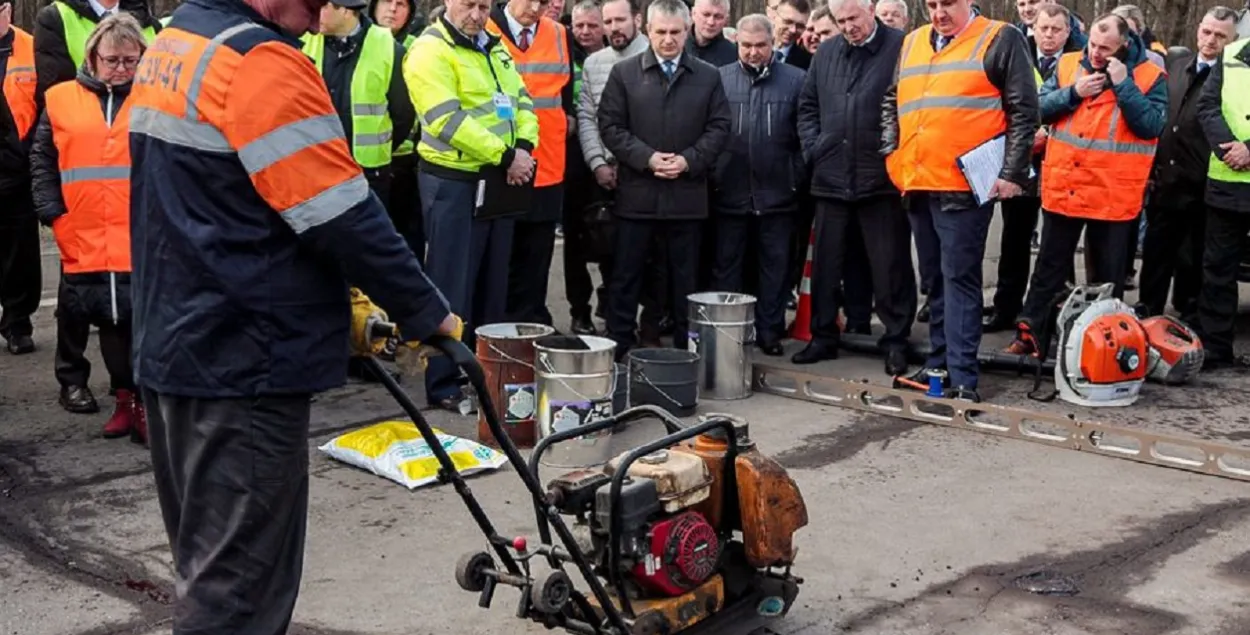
<point>1059,431</point>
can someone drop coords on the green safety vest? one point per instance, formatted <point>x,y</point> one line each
<point>1235,106</point>
<point>371,120</point>
<point>460,124</point>
<point>78,28</point>
<point>577,82</point>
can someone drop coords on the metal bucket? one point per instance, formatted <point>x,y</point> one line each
<point>722,332</point>
<point>664,377</point>
<point>506,352</point>
<point>575,386</point>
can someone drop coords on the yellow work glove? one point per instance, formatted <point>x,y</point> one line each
<point>411,358</point>
<point>364,314</point>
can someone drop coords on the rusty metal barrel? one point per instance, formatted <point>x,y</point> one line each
<point>506,352</point>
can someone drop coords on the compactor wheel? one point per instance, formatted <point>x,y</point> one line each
<point>471,570</point>
<point>551,591</point>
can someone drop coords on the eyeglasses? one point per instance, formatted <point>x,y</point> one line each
<point>114,61</point>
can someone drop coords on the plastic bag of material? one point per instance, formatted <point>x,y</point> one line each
<point>395,450</point>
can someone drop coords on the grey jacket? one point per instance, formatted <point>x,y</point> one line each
<point>595,72</point>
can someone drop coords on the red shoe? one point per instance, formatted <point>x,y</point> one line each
<point>122,421</point>
<point>139,433</point>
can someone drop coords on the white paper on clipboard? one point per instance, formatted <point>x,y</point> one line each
<point>982,165</point>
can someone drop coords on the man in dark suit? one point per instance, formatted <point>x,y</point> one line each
<point>1050,36</point>
<point>789,24</point>
<point>1176,213</point>
<point>665,117</point>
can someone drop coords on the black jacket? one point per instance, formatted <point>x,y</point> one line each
<point>641,113</point>
<point>14,169</point>
<point>1009,67</point>
<point>718,52</point>
<point>338,65</point>
<point>53,64</point>
<point>840,116</point>
<point>1181,159</point>
<point>760,170</point>
<point>1233,197</point>
<point>798,57</point>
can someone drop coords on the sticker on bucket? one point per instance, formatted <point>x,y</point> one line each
<point>521,400</point>
<point>692,341</point>
<point>566,415</point>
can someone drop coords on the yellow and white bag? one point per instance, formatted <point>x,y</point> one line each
<point>396,451</point>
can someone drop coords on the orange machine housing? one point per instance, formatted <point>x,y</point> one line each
<point>1114,349</point>
<point>770,507</point>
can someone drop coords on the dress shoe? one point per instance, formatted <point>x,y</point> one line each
<point>923,314</point>
<point>123,420</point>
<point>815,352</point>
<point>771,349</point>
<point>583,326</point>
<point>21,345</point>
<point>78,400</point>
<point>895,362</point>
<point>996,321</point>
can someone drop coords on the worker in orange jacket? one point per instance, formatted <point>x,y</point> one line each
<point>80,167</point>
<point>543,51</point>
<point>252,222</point>
<point>1106,108</point>
<point>21,281</point>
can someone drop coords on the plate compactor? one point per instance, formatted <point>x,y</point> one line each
<point>691,533</point>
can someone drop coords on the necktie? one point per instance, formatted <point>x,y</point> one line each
<point>1048,63</point>
<point>943,40</point>
<point>669,68</point>
<point>524,42</point>
<point>1203,67</point>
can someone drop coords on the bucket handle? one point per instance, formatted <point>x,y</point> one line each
<point>708,320</point>
<point>550,369</point>
<point>643,376</point>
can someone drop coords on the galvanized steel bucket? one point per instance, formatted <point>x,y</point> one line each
<point>722,333</point>
<point>576,383</point>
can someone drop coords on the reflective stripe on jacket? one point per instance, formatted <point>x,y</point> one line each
<point>371,121</point>
<point>94,160</point>
<point>946,107</point>
<point>544,67</point>
<point>1235,106</point>
<point>454,87</point>
<point>1095,166</point>
<point>20,82</point>
<point>79,28</point>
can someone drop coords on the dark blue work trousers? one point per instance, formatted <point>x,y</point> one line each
<point>952,242</point>
<point>467,260</point>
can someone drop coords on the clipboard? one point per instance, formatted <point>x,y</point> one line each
<point>496,199</point>
<point>982,165</point>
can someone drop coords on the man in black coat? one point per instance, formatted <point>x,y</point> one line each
<point>664,116</point>
<point>840,126</point>
<point>707,39</point>
<point>1176,213</point>
<point>789,23</point>
<point>757,180</point>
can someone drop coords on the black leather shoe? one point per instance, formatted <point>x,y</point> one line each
<point>964,394</point>
<point>78,400</point>
<point>21,345</point>
<point>772,349</point>
<point>583,326</point>
<point>895,362</point>
<point>923,314</point>
<point>815,353</point>
<point>860,329</point>
<point>996,321</point>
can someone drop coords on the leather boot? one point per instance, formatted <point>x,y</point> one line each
<point>122,421</point>
<point>139,433</point>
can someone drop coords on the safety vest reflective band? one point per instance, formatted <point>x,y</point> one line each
<point>94,160</point>
<point>1095,166</point>
<point>78,28</point>
<point>946,107</point>
<point>544,67</point>
<point>371,121</point>
<point>1235,106</point>
<point>19,82</point>
<point>453,88</point>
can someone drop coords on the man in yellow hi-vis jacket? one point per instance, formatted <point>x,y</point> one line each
<point>475,114</point>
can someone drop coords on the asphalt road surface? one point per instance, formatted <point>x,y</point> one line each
<point>914,529</point>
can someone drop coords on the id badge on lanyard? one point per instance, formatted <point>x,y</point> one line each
<point>503,107</point>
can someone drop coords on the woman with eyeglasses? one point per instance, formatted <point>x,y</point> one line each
<point>80,169</point>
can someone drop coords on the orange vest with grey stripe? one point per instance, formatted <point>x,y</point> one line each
<point>94,159</point>
<point>946,107</point>
<point>19,82</point>
<point>544,67</point>
<point>1095,167</point>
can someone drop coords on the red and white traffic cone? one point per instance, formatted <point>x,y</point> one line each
<point>801,328</point>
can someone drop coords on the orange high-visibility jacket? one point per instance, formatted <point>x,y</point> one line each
<point>946,107</point>
<point>544,67</point>
<point>94,159</point>
<point>19,82</point>
<point>1095,167</point>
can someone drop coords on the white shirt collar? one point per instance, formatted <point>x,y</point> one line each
<point>676,61</point>
<point>100,10</point>
<point>1210,62</point>
<point>872,35</point>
